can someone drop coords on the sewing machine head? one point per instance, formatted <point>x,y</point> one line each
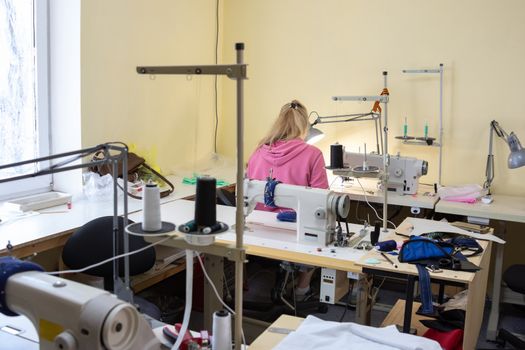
<point>403,172</point>
<point>317,209</point>
<point>72,316</point>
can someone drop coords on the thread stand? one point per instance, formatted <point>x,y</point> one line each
<point>136,228</point>
<point>203,239</point>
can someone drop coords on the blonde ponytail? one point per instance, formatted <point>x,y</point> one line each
<point>291,123</point>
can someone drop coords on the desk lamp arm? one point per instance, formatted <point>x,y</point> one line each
<point>511,140</point>
<point>343,118</point>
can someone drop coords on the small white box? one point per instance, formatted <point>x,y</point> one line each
<point>38,201</point>
<point>334,285</point>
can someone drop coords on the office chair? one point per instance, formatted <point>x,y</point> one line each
<point>513,277</point>
<point>93,242</point>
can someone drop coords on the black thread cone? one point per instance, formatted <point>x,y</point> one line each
<point>336,156</point>
<point>205,202</point>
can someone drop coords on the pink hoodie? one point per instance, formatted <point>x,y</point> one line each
<point>293,162</point>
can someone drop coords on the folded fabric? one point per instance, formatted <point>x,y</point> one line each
<point>447,321</point>
<point>466,193</point>
<point>461,199</point>
<point>458,301</point>
<point>317,334</point>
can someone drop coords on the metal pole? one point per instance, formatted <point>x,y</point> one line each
<point>114,172</point>
<point>440,120</point>
<point>386,160</point>
<point>239,200</point>
<point>127,282</point>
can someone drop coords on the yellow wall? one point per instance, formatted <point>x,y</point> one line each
<point>312,50</point>
<point>169,119</point>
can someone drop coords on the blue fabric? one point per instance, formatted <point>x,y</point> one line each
<point>269,190</point>
<point>387,246</point>
<point>288,215</point>
<point>8,267</point>
<point>467,243</point>
<point>425,290</point>
<point>420,248</point>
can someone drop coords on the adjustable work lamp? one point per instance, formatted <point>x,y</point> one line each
<point>315,134</point>
<point>516,157</point>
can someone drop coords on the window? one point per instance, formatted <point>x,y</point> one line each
<point>24,119</point>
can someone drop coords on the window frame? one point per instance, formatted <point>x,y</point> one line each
<point>42,183</point>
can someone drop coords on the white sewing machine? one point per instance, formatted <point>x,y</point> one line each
<point>317,209</point>
<point>403,172</point>
<point>72,316</point>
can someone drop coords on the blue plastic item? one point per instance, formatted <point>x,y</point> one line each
<point>289,216</point>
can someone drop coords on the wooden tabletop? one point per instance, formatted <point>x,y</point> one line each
<point>410,269</point>
<point>277,331</point>
<point>266,237</point>
<point>507,208</point>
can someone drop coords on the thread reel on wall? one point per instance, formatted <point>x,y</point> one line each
<point>204,227</point>
<point>152,223</point>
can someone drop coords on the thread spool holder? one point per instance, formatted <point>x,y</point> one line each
<point>237,253</point>
<point>136,228</point>
<point>426,140</point>
<point>383,99</point>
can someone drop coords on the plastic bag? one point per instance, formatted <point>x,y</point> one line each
<point>98,187</point>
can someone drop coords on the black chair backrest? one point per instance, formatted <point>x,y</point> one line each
<point>93,242</point>
<point>513,277</point>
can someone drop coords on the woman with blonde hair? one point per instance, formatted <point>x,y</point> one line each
<point>284,155</point>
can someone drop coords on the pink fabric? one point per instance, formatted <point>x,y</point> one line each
<point>293,162</point>
<point>461,199</point>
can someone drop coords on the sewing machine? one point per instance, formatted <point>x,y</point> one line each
<point>317,209</point>
<point>72,316</point>
<point>403,172</point>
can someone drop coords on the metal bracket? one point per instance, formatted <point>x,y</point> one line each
<point>233,71</point>
<point>225,250</point>
<point>380,98</point>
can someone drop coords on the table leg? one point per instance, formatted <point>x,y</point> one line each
<point>214,267</point>
<point>407,319</point>
<point>441,294</point>
<point>363,307</point>
<point>492,326</point>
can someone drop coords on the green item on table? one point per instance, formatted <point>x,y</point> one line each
<point>193,180</point>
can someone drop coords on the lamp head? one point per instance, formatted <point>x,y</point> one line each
<point>313,135</point>
<point>517,152</point>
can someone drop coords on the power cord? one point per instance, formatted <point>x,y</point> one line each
<point>217,293</point>
<point>347,301</point>
<point>370,205</point>
<point>53,273</point>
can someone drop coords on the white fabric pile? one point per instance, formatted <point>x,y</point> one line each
<point>317,334</point>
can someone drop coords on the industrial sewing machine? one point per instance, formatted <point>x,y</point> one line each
<point>317,209</point>
<point>403,172</point>
<point>73,316</point>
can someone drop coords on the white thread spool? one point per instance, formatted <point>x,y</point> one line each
<point>222,330</point>
<point>151,208</point>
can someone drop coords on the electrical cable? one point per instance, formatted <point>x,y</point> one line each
<point>217,293</point>
<point>374,296</point>
<point>294,296</point>
<point>347,301</point>
<point>370,205</point>
<point>109,259</point>
<point>189,294</point>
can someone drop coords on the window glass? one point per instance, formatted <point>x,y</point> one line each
<point>23,125</point>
